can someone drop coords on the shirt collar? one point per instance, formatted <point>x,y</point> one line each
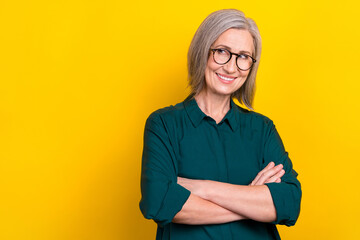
<point>233,116</point>
<point>194,112</point>
<point>196,115</point>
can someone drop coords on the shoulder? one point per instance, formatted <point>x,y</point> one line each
<point>167,115</point>
<point>252,119</point>
<point>171,111</point>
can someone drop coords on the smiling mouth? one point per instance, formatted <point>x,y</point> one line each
<point>225,78</point>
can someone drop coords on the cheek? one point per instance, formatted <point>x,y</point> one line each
<point>210,70</point>
<point>211,65</point>
<point>244,75</point>
<point>242,79</point>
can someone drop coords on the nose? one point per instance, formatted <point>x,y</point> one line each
<point>230,66</point>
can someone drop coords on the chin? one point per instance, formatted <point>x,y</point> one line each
<point>224,93</point>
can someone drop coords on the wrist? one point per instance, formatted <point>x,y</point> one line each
<point>207,189</point>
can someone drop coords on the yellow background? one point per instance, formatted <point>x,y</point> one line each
<point>79,78</point>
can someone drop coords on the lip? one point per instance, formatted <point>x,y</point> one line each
<point>223,80</point>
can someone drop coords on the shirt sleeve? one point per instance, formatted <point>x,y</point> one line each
<point>287,194</point>
<point>162,198</point>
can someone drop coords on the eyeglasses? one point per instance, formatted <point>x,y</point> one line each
<point>243,61</point>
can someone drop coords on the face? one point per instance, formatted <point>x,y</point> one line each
<point>226,79</point>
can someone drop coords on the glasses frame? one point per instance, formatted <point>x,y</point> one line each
<point>231,54</point>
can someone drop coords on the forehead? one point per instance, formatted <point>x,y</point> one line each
<point>236,40</point>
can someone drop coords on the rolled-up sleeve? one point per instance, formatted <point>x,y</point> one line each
<point>162,198</point>
<point>287,194</point>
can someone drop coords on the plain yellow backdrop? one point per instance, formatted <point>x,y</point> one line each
<point>79,78</point>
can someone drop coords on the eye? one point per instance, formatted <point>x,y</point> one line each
<point>243,56</point>
<point>222,51</point>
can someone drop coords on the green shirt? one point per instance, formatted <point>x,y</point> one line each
<point>182,141</point>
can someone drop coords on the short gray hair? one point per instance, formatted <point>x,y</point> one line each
<point>199,51</point>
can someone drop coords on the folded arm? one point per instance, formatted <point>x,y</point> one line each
<point>273,196</point>
<point>252,202</point>
<point>197,210</point>
<point>163,199</point>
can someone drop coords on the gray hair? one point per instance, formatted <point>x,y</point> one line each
<point>199,51</point>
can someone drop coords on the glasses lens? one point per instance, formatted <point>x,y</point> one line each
<point>221,56</point>
<point>244,62</point>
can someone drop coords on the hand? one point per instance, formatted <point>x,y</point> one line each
<point>269,174</point>
<point>193,185</point>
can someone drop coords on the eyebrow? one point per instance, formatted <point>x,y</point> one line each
<point>228,48</point>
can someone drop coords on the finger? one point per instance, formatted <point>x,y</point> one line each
<point>268,174</point>
<point>277,176</point>
<point>268,167</point>
<point>271,175</point>
<point>180,180</point>
<point>256,179</point>
<point>278,180</point>
<point>261,177</point>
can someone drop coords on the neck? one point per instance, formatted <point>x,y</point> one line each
<point>214,106</point>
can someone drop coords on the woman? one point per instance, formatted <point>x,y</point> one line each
<point>211,169</point>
